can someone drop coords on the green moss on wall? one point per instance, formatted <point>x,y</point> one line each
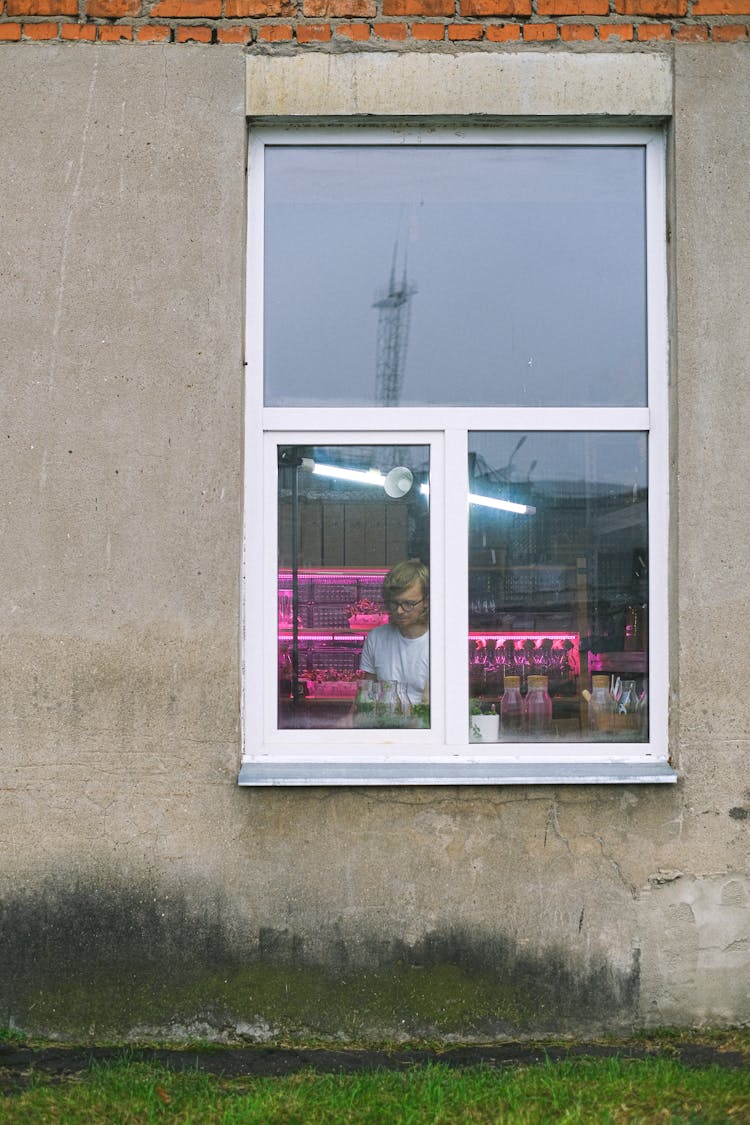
<point>98,963</point>
<point>264,1001</point>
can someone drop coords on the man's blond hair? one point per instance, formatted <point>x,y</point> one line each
<point>403,574</point>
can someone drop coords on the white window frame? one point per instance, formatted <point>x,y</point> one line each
<point>442,754</point>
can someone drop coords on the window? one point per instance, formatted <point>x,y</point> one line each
<point>456,441</point>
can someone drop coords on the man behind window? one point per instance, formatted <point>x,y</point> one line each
<point>400,651</point>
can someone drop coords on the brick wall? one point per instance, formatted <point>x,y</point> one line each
<point>376,23</point>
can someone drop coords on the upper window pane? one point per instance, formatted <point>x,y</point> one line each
<point>448,275</point>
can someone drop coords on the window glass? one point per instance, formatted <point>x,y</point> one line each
<point>472,274</point>
<point>558,586</point>
<point>353,586</point>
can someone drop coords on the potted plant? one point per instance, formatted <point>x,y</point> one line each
<point>420,715</point>
<point>366,614</point>
<point>484,721</point>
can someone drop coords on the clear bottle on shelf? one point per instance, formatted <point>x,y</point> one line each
<point>538,706</point>
<point>364,704</point>
<point>403,702</point>
<point>628,721</point>
<point>511,708</point>
<point>602,706</point>
<point>627,704</point>
<point>389,708</point>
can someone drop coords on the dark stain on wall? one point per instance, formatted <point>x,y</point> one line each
<point>87,961</point>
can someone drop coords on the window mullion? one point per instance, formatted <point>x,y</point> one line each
<point>456,532</point>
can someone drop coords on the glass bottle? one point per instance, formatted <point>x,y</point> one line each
<point>628,719</point>
<point>511,708</point>
<point>364,704</point>
<point>601,705</point>
<point>538,706</point>
<point>403,703</point>
<point>387,706</point>
<point>627,704</point>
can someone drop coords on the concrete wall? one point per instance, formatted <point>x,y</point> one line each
<point>141,891</point>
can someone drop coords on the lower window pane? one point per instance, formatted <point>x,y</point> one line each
<point>353,586</point>
<point>558,597</point>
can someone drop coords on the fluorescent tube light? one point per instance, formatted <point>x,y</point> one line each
<point>375,477</point>
<point>493,502</point>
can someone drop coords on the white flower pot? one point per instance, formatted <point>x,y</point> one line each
<point>485,728</point>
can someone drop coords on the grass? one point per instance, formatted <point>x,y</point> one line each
<point>612,1091</point>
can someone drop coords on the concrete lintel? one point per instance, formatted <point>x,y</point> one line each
<point>530,85</point>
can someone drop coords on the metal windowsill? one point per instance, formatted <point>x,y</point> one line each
<point>455,773</point>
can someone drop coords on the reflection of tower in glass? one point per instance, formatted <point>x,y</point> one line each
<point>393,306</point>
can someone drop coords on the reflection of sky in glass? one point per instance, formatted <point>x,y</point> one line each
<point>529,265</point>
<point>562,462</point>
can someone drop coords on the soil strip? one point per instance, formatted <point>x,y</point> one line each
<point>20,1064</point>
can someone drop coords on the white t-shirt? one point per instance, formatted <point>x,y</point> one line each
<point>390,656</point>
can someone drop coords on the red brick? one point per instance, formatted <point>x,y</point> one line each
<point>418,7</point>
<point>356,31</point>
<point>576,32</point>
<point>154,33</point>
<point>115,34</point>
<point>572,7</point>
<point>729,33</point>
<point>658,8</point>
<point>186,9</point>
<point>389,30</point>
<point>237,34</point>
<point>338,9</point>
<point>536,32</point>
<point>112,9</point>
<point>503,32</point>
<point>42,8</point>
<point>257,9</point>
<point>85,31</point>
<point>691,33</point>
<point>461,31</point>
<point>622,31</point>
<point>10,32</point>
<point>721,7</point>
<point>40,31</point>
<point>654,31</point>
<point>434,31</point>
<point>313,32</point>
<point>480,8</point>
<point>276,32</point>
<point>194,34</point>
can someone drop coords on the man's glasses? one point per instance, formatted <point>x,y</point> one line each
<point>407,607</point>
